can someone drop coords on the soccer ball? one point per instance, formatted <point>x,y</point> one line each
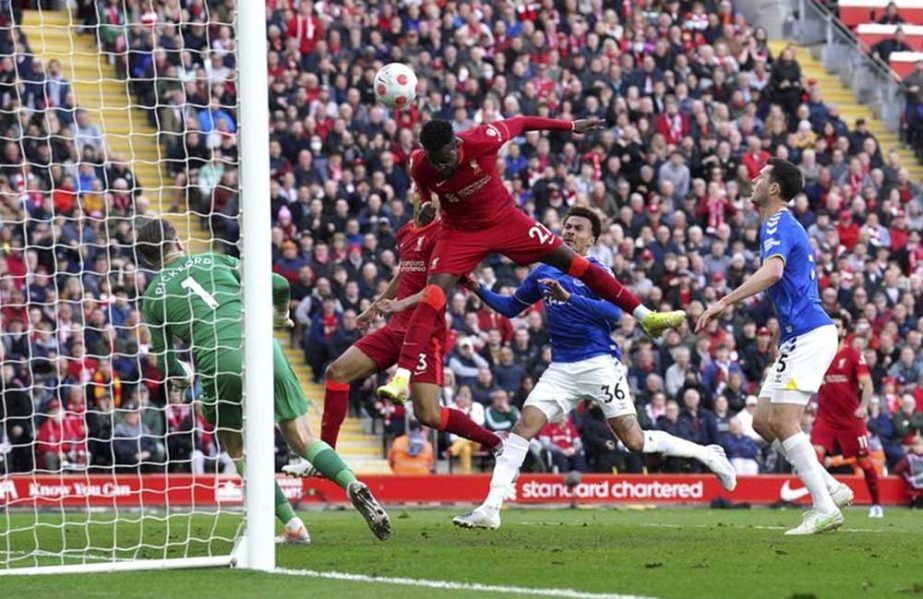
<point>396,85</point>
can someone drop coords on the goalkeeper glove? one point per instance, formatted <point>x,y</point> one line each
<point>187,379</point>
<point>281,319</point>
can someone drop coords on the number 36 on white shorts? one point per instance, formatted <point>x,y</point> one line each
<point>564,385</point>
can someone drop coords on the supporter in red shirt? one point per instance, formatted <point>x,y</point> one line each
<point>305,27</point>
<point>848,230</point>
<point>562,441</point>
<point>755,158</point>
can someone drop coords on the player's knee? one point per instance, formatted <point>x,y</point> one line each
<point>633,439</point>
<point>434,296</point>
<point>578,266</point>
<point>334,372</point>
<point>427,415</point>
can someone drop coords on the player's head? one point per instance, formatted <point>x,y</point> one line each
<point>581,229</point>
<point>778,181</point>
<point>842,321</point>
<point>441,146</point>
<point>156,240</point>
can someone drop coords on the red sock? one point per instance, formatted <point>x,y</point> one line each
<point>420,328</point>
<point>336,401</point>
<point>603,283</point>
<point>871,479</point>
<point>455,421</point>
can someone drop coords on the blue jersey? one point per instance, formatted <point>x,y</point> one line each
<point>580,328</point>
<point>795,297</point>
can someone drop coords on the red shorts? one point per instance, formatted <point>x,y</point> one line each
<point>384,348</point>
<point>515,235</point>
<point>848,442</point>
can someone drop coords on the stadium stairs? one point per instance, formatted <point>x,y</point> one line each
<point>128,135</point>
<point>834,92</point>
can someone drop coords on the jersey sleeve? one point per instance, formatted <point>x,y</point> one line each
<point>419,184</point>
<point>778,239</point>
<point>862,369</point>
<point>230,262</point>
<point>510,305</point>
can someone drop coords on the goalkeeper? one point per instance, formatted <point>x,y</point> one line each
<point>197,299</point>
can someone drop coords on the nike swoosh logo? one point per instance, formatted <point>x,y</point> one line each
<point>787,493</point>
<point>440,183</point>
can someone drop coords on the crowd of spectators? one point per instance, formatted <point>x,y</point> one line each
<point>694,104</point>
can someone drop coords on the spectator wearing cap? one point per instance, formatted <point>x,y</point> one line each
<point>411,453</point>
<point>290,263</point>
<point>847,230</point>
<point>465,363</point>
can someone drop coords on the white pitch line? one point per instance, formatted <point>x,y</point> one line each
<point>742,527</point>
<point>448,585</point>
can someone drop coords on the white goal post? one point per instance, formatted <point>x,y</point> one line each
<point>72,511</point>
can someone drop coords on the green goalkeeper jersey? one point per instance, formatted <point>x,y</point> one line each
<point>197,299</point>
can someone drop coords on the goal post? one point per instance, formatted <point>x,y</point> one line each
<point>77,358</point>
<point>257,270</point>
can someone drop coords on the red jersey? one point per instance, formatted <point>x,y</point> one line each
<point>839,397</point>
<point>415,246</point>
<point>474,197</point>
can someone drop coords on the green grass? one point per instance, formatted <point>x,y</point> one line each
<point>661,553</point>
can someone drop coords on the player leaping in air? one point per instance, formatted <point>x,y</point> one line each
<point>197,299</point>
<point>842,402</point>
<point>808,340</point>
<point>378,351</point>
<point>480,218</point>
<point>585,365</point>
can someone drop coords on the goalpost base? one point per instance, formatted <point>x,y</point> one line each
<point>124,566</point>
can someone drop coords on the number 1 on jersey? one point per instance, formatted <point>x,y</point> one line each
<point>193,285</point>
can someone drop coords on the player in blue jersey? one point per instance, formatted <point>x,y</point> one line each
<point>585,366</point>
<point>807,340</point>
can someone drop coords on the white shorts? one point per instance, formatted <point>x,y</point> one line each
<point>564,385</point>
<point>801,364</point>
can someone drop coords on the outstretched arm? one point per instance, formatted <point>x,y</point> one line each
<point>508,305</point>
<point>768,275</point>
<point>519,124</point>
<point>380,303</point>
<point>594,307</point>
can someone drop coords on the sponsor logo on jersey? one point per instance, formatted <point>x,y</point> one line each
<point>787,493</point>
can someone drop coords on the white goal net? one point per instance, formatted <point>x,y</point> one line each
<point>111,114</point>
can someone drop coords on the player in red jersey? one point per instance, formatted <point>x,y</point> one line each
<point>481,218</point>
<point>839,428</point>
<point>378,351</point>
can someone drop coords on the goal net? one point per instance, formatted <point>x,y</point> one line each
<point>111,115</point>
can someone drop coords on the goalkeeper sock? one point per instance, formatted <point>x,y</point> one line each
<point>329,463</point>
<point>336,401</point>
<point>284,511</point>
<point>831,482</point>
<point>666,444</point>
<point>508,464</point>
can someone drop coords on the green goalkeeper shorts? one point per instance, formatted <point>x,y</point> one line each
<point>222,393</point>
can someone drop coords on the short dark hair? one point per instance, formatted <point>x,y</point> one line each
<point>788,176</point>
<point>588,214</point>
<point>151,239</point>
<point>436,134</point>
<point>839,314</point>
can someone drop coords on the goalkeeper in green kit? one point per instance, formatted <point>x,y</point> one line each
<point>197,299</point>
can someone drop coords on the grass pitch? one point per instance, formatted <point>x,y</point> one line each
<point>663,553</point>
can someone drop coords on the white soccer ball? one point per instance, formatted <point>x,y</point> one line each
<point>396,85</point>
